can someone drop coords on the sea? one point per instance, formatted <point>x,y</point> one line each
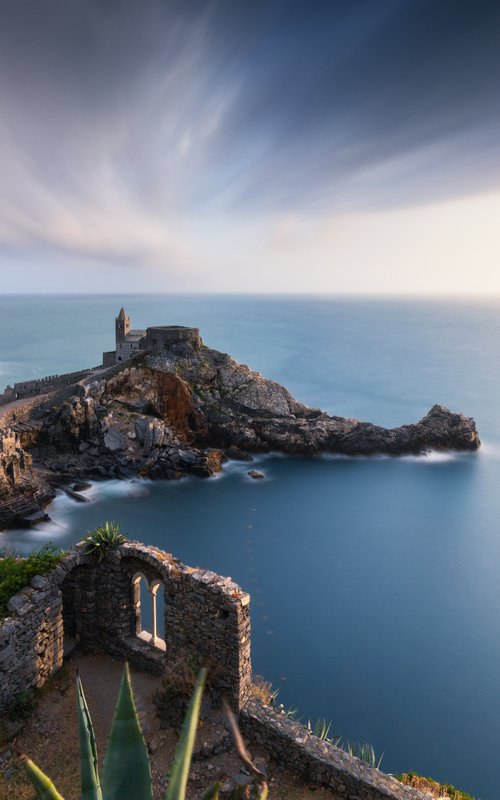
<point>375,582</point>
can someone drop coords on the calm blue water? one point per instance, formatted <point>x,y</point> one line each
<point>375,582</point>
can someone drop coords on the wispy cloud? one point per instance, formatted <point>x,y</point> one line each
<point>128,129</point>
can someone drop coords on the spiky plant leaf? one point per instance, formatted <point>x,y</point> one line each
<point>238,741</point>
<point>44,788</point>
<point>89,774</point>
<point>126,772</point>
<point>176,789</point>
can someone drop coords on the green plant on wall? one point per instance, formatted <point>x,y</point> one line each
<point>16,572</point>
<point>104,537</point>
<point>126,773</point>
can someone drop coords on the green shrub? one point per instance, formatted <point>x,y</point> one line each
<point>16,572</point>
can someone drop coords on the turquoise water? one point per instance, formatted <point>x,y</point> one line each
<point>375,582</point>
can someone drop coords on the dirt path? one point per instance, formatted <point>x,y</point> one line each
<point>50,737</point>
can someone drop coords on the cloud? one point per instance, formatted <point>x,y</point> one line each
<point>128,129</point>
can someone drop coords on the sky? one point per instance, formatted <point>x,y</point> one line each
<point>324,146</point>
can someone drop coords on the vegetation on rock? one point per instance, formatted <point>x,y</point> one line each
<point>16,573</point>
<point>439,791</point>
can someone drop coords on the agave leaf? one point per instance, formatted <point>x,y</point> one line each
<point>91,789</point>
<point>212,793</point>
<point>176,789</point>
<point>44,788</point>
<point>238,741</point>
<point>126,771</point>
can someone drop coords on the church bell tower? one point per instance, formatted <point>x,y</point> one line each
<point>122,326</point>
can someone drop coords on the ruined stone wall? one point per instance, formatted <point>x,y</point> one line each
<point>31,639</point>
<point>205,615</point>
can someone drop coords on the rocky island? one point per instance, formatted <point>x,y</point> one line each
<point>164,405</point>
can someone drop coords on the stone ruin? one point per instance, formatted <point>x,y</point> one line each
<point>97,606</point>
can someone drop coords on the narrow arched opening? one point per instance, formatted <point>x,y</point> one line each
<point>148,607</point>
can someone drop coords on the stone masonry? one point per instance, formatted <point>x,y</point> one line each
<point>94,604</point>
<point>97,606</point>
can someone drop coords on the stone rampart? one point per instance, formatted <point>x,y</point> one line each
<point>161,338</point>
<point>39,386</point>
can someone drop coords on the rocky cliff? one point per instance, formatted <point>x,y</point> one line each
<point>189,409</point>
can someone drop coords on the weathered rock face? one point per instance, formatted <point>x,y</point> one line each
<point>244,410</point>
<point>186,410</point>
<point>22,493</point>
<point>174,403</point>
<point>14,461</point>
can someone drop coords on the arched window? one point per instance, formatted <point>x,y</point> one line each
<point>148,626</point>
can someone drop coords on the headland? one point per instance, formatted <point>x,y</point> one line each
<point>163,405</point>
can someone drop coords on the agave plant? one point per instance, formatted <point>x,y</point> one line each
<point>126,769</point>
<point>104,537</point>
<point>365,752</point>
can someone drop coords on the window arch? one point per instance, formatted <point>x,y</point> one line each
<point>145,595</point>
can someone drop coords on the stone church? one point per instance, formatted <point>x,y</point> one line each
<point>131,341</point>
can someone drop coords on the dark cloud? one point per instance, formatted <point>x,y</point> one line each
<point>119,118</point>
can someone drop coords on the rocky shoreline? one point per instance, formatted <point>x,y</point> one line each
<point>186,412</point>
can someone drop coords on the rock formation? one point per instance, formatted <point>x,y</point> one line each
<point>190,408</point>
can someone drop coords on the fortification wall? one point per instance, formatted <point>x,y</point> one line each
<point>44,385</point>
<point>30,407</point>
<point>159,339</point>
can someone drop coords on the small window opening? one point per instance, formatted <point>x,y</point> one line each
<point>148,610</point>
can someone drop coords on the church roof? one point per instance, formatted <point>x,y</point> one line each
<point>122,314</point>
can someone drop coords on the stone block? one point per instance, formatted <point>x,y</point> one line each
<point>19,604</point>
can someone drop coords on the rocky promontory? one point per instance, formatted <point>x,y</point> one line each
<point>186,412</point>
